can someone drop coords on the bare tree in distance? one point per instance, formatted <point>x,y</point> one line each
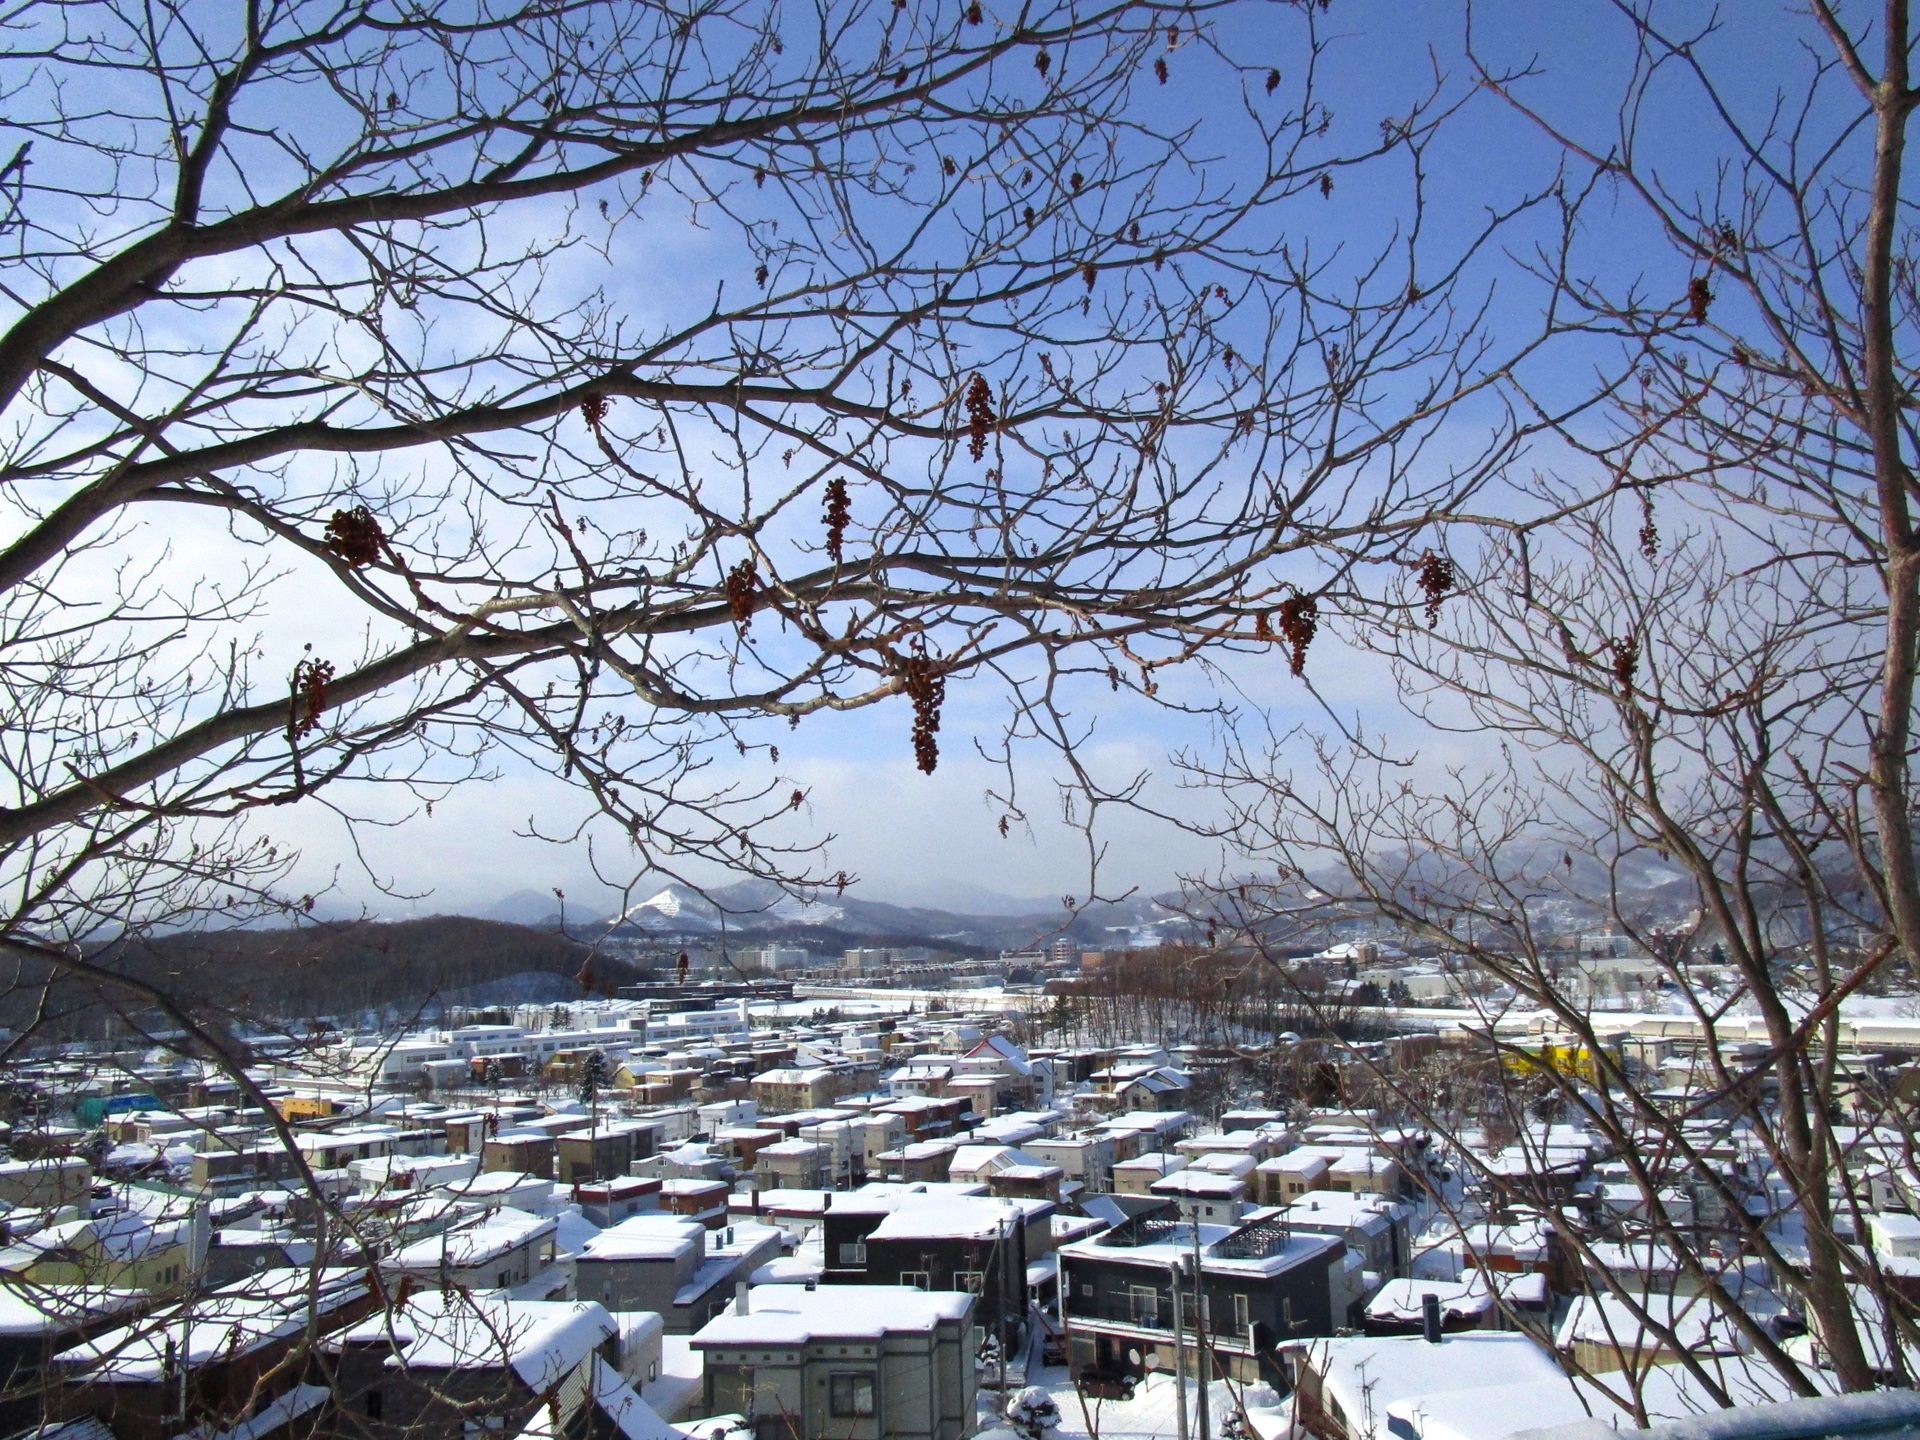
<point>1698,665</point>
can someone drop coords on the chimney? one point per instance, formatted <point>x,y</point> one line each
<point>1429,1316</point>
<point>741,1305</point>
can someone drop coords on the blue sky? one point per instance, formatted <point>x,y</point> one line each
<point>908,836</point>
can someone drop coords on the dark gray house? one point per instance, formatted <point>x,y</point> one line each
<point>1261,1284</point>
<point>978,1244</point>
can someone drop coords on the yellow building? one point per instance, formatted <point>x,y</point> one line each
<point>304,1107</point>
<point>122,1252</point>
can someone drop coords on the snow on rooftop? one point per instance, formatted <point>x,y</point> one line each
<point>647,1237</point>
<point>477,1244</point>
<point>29,1309</point>
<point>1368,1374</point>
<point>941,1217</point>
<point>543,1340</point>
<point>795,1315</point>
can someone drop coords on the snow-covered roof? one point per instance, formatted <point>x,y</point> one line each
<point>1402,1301</point>
<point>47,1309</point>
<point>959,1217</point>
<point>1282,1252</point>
<point>209,1327</point>
<point>1202,1184</point>
<point>647,1237</point>
<point>1607,1320</point>
<point>1534,1407</point>
<point>499,1233</point>
<point>1367,1374</point>
<point>544,1341</point>
<point>795,1315</point>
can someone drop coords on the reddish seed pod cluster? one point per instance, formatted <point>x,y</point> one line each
<point>1698,298</point>
<point>354,536</point>
<point>1436,579</point>
<point>743,590</point>
<point>1626,662</point>
<point>593,410</point>
<point>310,681</point>
<point>1299,623</point>
<point>839,512</point>
<point>1649,532</point>
<point>980,416</point>
<point>926,686</point>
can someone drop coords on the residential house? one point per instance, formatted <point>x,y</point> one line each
<point>1379,1229</point>
<point>122,1251</point>
<point>1261,1284</point>
<point>795,1088</point>
<point>1139,1175</point>
<point>602,1152</point>
<point>447,1365</point>
<point>43,1184</point>
<point>1143,1086</point>
<point>223,1358</point>
<point>503,1250</point>
<point>677,1268</point>
<point>525,1152</point>
<point>976,1243</point>
<point>1370,1388</point>
<point>609,1202</point>
<point>1086,1160</point>
<point>38,1322</point>
<point>1285,1178</point>
<point>1206,1196</point>
<point>791,1165</point>
<point>858,1362</point>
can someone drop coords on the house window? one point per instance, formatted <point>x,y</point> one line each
<point>1242,1315</point>
<point>1144,1305</point>
<point>915,1278</point>
<point>971,1281</point>
<point>853,1394</point>
<point>373,1404</point>
<point>854,1254</point>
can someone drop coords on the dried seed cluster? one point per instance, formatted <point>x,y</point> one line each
<point>1626,662</point>
<point>1299,623</point>
<point>926,686</point>
<point>743,591</point>
<point>310,681</point>
<point>839,512</point>
<point>1436,580</point>
<point>354,536</point>
<point>979,404</point>
<point>1698,298</point>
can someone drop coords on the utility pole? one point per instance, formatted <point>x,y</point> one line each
<point>1201,1364</point>
<point>1179,1349</point>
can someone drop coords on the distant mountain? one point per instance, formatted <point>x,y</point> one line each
<point>753,909</point>
<point>958,897</point>
<point>538,908</point>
